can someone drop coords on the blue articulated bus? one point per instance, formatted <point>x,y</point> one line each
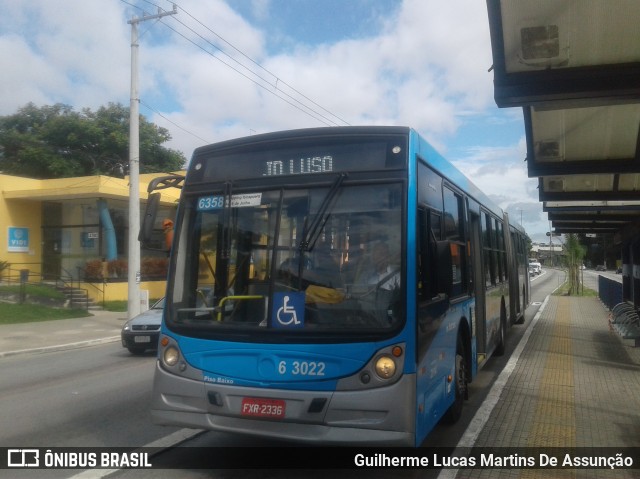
<point>334,286</point>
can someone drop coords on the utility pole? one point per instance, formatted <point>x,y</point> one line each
<point>134,274</point>
<point>550,245</point>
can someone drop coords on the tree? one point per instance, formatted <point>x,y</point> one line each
<point>58,142</point>
<point>528,245</point>
<point>575,254</point>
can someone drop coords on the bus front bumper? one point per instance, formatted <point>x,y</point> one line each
<point>383,416</point>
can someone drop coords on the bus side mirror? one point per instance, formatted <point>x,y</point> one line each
<point>445,267</point>
<point>149,218</point>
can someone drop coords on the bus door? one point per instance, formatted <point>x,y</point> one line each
<point>478,285</point>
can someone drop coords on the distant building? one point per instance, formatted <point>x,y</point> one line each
<point>548,254</point>
<point>77,229</point>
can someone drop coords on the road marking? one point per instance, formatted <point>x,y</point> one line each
<point>542,273</point>
<point>483,414</point>
<point>163,443</point>
<point>61,347</point>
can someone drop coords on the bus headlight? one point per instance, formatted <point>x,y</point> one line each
<point>385,367</point>
<point>171,356</point>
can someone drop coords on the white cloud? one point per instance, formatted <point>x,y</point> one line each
<point>425,68</point>
<point>69,52</point>
<point>482,163</point>
<point>260,8</point>
<point>14,91</point>
<point>428,63</point>
<point>500,172</point>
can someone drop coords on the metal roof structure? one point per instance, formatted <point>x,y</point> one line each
<point>574,68</point>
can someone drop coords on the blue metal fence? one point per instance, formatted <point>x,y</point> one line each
<point>609,291</point>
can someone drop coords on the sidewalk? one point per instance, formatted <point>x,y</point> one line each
<point>576,384</point>
<point>45,336</point>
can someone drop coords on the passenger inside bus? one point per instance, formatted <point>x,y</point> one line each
<point>382,274</point>
<point>377,284</point>
<point>326,270</point>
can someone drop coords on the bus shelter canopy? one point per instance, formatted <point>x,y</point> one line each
<point>574,68</point>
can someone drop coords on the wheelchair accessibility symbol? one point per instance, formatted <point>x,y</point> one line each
<point>288,310</point>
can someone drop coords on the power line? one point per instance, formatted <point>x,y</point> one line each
<point>173,123</point>
<point>303,108</point>
<point>278,79</point>
<point>292,101</point>
<point>154,110</point>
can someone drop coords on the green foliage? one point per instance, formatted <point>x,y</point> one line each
<point>58,142</point>
<point>575,254</point>
<point>528,245</point>
<point>116,306</point>
<point>565,290</point>
<point>121,306</point>
<point>30,313</point>
<point>36,290</point>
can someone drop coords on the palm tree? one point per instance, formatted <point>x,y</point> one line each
<point>575,254</point>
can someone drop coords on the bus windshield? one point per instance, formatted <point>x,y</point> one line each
<point>306,261</point>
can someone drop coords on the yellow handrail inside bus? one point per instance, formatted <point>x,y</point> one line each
<point>234,298</point>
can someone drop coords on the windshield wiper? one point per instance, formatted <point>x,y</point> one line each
<point>311,234</point>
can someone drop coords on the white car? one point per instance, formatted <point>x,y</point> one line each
<point>142,332</point>
<point>535,268</point>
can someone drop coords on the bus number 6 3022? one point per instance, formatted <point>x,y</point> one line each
<point>302,368</point>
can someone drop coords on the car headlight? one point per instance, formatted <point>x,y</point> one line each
<point>126,327</point>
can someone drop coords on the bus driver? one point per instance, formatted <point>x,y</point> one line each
<point>382,274</point>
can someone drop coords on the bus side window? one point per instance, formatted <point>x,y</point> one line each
<point>429,232</point>
<point>489,262</point>
<point>455,232</point>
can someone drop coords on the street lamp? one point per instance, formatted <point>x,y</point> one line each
<point>551,234</point>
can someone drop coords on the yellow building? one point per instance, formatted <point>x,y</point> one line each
<point>75,230</point>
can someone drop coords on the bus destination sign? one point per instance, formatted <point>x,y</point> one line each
<point>303,166</point>
<point>329,157</point>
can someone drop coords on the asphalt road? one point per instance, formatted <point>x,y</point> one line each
<point>98,396</point>
<point>95,396</point>
<point>443,435</point>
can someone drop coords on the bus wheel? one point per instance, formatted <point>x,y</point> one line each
<point>460,383</point>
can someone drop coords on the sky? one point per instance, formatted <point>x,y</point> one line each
<point>222,69</point>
